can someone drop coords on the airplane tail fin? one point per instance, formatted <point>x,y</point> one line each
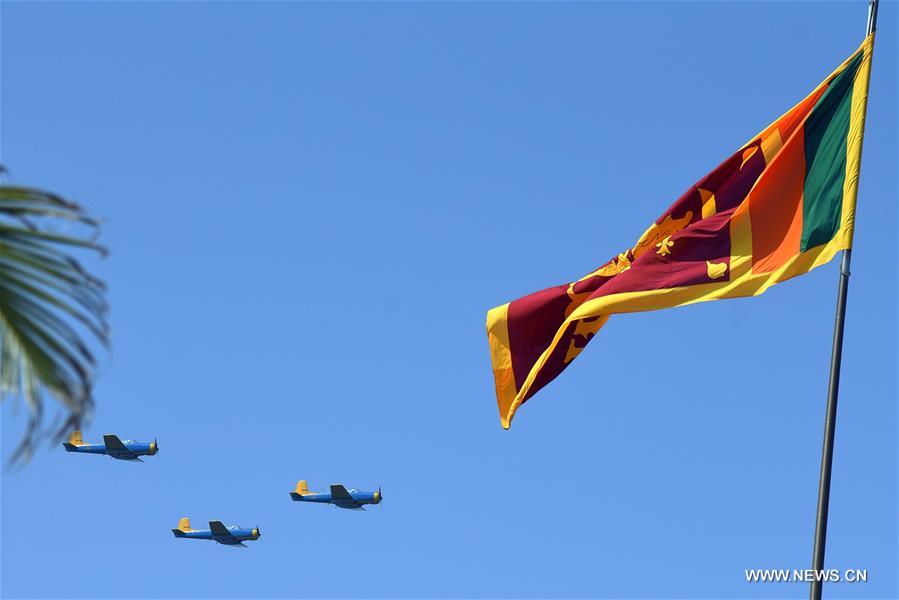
<point>183,527</point>
<point>301,490</point>
<point>74,441</point>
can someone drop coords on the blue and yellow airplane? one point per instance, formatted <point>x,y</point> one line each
<point>112,446</point>
<point>231,535</point>
<point>339,496</point>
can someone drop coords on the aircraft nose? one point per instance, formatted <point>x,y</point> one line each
<point>154,447</point>
<point>256,533</point>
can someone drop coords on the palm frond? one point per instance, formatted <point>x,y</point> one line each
<point>49,306</point>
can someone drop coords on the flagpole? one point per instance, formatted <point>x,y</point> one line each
<point>833,388</point>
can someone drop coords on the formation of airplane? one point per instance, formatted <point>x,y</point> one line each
<point>231,535</point>
<point>339,496</point>
<point>228,535</point>
<point>112,446</point>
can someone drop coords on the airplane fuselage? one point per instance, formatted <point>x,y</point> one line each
<point>358,497</point>
<point>237,536</point>
<point>134,449</point>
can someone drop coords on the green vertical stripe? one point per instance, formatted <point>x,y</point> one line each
<point>825,159</point>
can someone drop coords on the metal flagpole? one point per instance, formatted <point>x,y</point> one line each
<point>830,420</point>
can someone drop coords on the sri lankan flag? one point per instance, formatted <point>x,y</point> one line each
<point>780,206</point>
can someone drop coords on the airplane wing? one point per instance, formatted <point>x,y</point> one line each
<point>115,446</point>
<point>218,528</point>
<point>342,498</point>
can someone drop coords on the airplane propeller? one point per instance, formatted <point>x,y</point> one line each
<point>156,445</point>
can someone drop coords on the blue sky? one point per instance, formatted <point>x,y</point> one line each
<point>310,209</point>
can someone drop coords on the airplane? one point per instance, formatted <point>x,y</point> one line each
<point>112,446</point>
<point>231,535</point>
<point>339,496</point>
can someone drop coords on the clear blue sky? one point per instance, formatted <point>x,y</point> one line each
<point>311,208</point>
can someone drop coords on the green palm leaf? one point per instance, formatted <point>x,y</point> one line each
<point>49,306</point>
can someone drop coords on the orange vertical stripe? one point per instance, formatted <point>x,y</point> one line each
<point>788,123</point>
<point>775,208</point>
